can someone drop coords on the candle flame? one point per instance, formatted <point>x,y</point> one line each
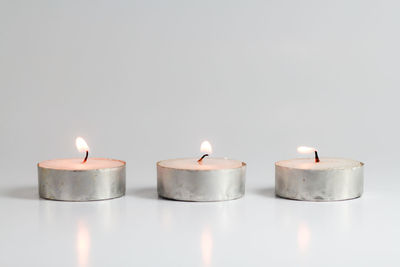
<point>305,149</point>
<point>206,147</point>
<point>81,145</point>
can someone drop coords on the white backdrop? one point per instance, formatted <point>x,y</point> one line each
<point>149,80</point>
<point>143,81</point>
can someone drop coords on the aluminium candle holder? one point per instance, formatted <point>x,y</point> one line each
<point>330,184</point>
<point>201,185</point>
<point>82,185</point>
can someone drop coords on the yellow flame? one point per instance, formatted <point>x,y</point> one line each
<point>305,149</point>
<point>81,145</point>
<point>206,147</point>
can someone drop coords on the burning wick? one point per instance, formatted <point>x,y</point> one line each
<point>82,146</point>
<point>202,157</point>
<point>206,148</point>
<point>87,155</point>
<point>316,156</point>
<point>306,150</point>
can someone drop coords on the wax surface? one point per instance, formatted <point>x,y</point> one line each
<point>76,164</point>
<point>324,164</point>
<point>207,164</point>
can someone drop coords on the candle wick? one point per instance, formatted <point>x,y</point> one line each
<point>201,159</point>
<point>86,157</point>
<point>316,156</point>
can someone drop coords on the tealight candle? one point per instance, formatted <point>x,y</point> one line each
<point>325,179</point>
<point>81,180</point>
<point>204,179</point>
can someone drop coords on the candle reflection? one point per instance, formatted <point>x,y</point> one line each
<point>206,246</point>
<point>83,244</point>
<point>166,218</point>
<point>303,237</point>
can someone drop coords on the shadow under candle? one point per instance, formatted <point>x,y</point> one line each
<point>144,192</point>
<point>265,192</point>
<point>22,192</point>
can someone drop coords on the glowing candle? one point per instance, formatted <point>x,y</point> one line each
<point>77,179</point>
<point>318,179</point>
<point>201,179</point>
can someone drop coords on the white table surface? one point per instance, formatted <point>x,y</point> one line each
<point>142,230</point>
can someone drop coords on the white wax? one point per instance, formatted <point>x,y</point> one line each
<point>76,164</point>
<point>207,164</point>
<point>324,164</point>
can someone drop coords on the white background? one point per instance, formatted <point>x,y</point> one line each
<point>148,80</point>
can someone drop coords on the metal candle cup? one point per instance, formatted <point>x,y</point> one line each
<point>208,182</point>
<point>72,180</point>
<point>328,180</point>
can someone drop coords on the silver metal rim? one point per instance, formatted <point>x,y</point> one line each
<point>201,186</point>
<point>87,185</point>
<point>322,185</point>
